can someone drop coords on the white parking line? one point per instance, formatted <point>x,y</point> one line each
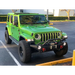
<point>11,54</point>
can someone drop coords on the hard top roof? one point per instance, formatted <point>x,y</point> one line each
<point>24,14</point>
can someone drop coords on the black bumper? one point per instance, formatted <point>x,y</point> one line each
<point>49,45</point>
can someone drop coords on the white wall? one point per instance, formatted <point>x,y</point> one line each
<point>40,10</point>
<point>56,12</point>
<point>5,11</point>
<point>63,13</point>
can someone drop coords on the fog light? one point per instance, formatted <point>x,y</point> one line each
<point>39,47</point>
<point>64,43</point>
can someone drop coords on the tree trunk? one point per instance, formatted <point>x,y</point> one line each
<point>68,14</point>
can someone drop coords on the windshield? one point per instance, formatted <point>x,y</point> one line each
<point>32,19</point>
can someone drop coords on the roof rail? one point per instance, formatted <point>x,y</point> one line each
<point>25,13</point>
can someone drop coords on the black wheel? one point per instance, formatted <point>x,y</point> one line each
<point>7,39</point>
<point>62,51</point>
<point>24,51</point>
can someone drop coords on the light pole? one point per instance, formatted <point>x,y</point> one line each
<point>47,14</point>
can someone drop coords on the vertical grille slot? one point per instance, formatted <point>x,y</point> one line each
<point>44,37</point>
<point>56,35</point>
<point>51,36</point>
<point>48,36</point>
<point>41,37</point>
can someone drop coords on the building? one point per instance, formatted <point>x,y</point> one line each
<point>56,11</point>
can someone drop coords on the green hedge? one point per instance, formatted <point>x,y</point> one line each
<point>3,18</point>
<point>61,18</point>
<point>50,17</point>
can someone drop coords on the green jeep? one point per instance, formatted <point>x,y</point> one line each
<point>32,33</point>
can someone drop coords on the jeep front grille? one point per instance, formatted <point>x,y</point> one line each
<point>48,36</point>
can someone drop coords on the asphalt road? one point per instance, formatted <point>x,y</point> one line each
<point>9,53</point>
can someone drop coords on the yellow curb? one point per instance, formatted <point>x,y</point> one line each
<point>62,21</point>
<point>57,63</point>
<point>73,61</point>
<point>51,24</point>
<point>2,22</point>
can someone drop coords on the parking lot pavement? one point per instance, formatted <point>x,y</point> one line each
<point>69,28</point>
<point>7,52</point>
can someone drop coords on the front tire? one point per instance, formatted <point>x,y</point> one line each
<point>62,51</point>
<point>24,51</point>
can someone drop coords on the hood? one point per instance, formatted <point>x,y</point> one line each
<point>40,29</point>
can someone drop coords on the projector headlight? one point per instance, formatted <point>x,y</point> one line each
<point>59,35</point>
<point>37,37</point>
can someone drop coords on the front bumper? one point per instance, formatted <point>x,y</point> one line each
<point>49,45</point>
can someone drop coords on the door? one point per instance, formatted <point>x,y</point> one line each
<point>9,25</point>
<point>15,28</point>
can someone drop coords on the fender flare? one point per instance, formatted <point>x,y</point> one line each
<point>21,38</point>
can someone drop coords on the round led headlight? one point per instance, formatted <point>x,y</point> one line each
<point>37,36</point>
<point>59,35</point>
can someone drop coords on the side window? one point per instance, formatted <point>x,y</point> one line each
<point>8,18</point>
<point>11,19</point>
<point>16,21</point>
